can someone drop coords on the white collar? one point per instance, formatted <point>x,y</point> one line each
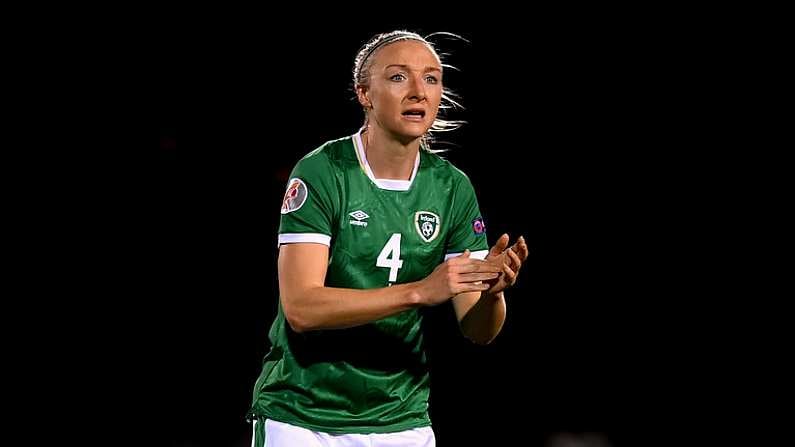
<point>390,184</point>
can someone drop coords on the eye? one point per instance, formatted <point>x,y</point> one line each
<point>397,77</point>
<point>431,79</point>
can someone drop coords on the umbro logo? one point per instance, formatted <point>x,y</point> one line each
<point>360,217</point>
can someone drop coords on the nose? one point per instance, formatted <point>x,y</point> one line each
<point>417,88</point>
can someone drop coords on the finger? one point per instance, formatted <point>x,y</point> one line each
<point>474,287</point>
<point>523,250</point>
<point>476,265</point>
<point>517,263</point>
<point>472,277</point>
<point>519,246</point>
<point>510,274</point>
<point>500,245</point>
<point>470,287</point>
<point>463,257</point>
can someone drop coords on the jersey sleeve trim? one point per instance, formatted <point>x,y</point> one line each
<point>480,254</point>
<point>292,238</point>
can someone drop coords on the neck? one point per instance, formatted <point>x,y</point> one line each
<point>389,158</point>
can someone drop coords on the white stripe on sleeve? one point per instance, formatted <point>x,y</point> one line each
<point>292,238</point>
<point>480,254</point>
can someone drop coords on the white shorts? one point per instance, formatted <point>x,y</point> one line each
<point>279,434</point>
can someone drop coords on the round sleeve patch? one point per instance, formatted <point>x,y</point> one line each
<point>295,196</point>
<point>478,226</point>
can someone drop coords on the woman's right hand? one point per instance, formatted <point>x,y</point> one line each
<point>457,275</point>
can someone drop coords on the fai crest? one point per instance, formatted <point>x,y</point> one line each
<point>295,196</point>
<point>427,225</point>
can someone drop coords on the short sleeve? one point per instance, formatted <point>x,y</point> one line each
<point>469,230</point>
<point>308,203</point>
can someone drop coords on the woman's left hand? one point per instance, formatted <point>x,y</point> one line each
<point>510,259</point>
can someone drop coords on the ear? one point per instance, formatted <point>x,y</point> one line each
<point>364,100</point>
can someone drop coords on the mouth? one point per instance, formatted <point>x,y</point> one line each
<point>414,115</point>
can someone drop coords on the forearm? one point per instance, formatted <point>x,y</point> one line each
<point>485,318</point>
<point>336,308</point>
<point>309,305</point>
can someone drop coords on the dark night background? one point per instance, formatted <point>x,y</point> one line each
<point>575,139</point>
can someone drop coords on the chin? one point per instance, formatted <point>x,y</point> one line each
<point>412,131</point>
<point>405,131</point>
<point>408,137</point>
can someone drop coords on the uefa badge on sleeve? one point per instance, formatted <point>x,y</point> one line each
<point>427,225</point>
<point>478,226</point>
<point>295,196</point>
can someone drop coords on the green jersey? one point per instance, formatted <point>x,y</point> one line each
<point>371,378</point>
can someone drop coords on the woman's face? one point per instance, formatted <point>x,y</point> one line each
<point>405,89</point>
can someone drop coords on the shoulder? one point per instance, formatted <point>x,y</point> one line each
<point>444,167</point>
<point>323,159</point>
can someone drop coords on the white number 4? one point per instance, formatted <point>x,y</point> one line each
<point>394,263</point>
